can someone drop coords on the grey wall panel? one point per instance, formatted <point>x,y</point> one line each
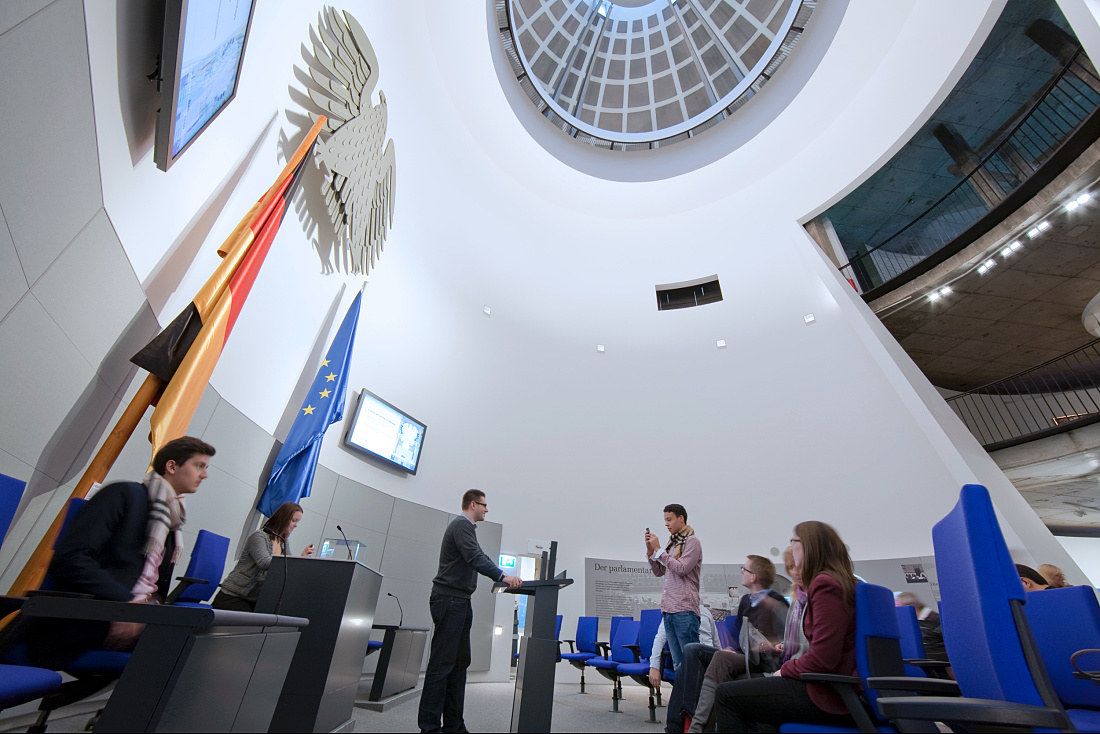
<point>221,505</point>
<point>14,12</point>
<point>13,284</point>
<point>91,291</point>
<point>417,522</point>
<point>40,514</point>
<point>47,385</point>
<point>410,560</point>
<point>46,88</point>
<point>360,505</point>
<point>243,447</point>
<point>414,600</point>
<point>13,467</point>
<point>136,455</point>
<point>203,412</point>
<point>484,602</point>
<point>320,494</point>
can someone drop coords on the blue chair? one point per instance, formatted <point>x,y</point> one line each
<point>725,638</point>
<point>993,653</point>
<point>638,671</point>
<point>584,647</point>
<point>917,663</point>
<point>204,571</point>
<point>878,657</point>
<point>11,491</point>
<point>20,684</point>
<point>1064,621</point>
<point>619,653</point>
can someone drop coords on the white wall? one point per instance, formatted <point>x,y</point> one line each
<point>1086,554</point>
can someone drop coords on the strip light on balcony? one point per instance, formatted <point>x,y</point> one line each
<point>1084,197</point>
<point>987,265</point>
<point>945,291</point>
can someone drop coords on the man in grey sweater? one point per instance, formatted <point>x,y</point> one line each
<point>460,561</point>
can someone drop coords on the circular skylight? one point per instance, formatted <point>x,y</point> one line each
<point>640,74</point>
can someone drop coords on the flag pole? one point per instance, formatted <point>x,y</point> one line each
<point>35,569</point>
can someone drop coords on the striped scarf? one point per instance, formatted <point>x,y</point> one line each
<point>166,513</point>
<point>678,540</point>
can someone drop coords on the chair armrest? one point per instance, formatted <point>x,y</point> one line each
<point>973,711</point>
<point>934,668</point>
<point>925,686</point>
<point>1093,675</point>
<point>59,594</point>
<point>571,648</point>
<point>637,650</point>
<point>185,582</point>
<point>605,648</point>
<point>845,687</point>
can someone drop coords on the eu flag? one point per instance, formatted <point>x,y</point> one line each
<point>292,475</point>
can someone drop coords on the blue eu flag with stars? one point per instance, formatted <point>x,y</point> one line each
<point>292,475</point>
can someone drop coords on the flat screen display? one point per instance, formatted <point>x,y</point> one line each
<point>204,42</point>
<point>386,432</point>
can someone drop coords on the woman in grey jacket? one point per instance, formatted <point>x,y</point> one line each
<point>241,587</point>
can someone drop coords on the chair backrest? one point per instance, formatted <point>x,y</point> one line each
<point>615,622</point>
<point>557,627</point>
<point>733,625</point>
<point>11,491</point>
<point>1064,621</point>
<point>981,598</point>
<point>723,632</point>
<point>878,639</point>
<point>912,645</point>
<point>626,633</point>
<point>587,629</point>
<point>207,562</point>
<point>651,621</point>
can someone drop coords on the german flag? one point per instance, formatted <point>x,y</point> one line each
<point>184,354</point>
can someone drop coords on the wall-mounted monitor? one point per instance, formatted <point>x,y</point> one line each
<point>200,66</point>
<point>386,432</point>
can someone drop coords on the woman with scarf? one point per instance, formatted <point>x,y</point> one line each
<point>681,560</point>
<point>241,587</point>
<point>121,546</point>
<point>829,621</point>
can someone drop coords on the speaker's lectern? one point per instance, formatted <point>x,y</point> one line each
<point>338,598</point>
<point>533,704</point>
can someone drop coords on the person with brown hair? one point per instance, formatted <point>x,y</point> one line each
<point>1031,579</point>
<point>680,562</point>
<point>1055,577</point>
<point>242,586</point>
<point>121,546</point>
<point>829,621</point>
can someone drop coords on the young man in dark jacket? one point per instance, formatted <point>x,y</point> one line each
<point>460,561</point>
<point>121,546</point>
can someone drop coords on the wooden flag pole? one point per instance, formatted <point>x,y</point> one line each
<point>34,571</point>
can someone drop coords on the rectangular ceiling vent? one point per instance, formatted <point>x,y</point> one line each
<point>689,293</point>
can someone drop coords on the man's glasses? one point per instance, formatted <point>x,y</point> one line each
<point>482,504</point>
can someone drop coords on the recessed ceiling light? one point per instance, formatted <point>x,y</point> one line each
<point>1033,233</point>
<point>809,319</point>
<point>945,291</point>
<point>1015,246</point>
<point>1084,197</point>
<point>1006,252</point>
<point>1043,226</point>
<point>1072,205</point>
<point>600,348</point>
<point>989,264</point>
<point>487,311</point>
<point>721,343</point>
<point>934,296</point>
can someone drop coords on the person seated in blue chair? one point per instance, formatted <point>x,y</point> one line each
<point>1031,579</point>
<point>121,546</point>
<point>928,619</point>
<point>829,621</point>
<point>241,587</point>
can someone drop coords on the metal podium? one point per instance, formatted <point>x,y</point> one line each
<point>533,704</point>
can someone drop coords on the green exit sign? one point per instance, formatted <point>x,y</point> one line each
<point>507,561</point>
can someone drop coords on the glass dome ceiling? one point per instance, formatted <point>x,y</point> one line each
<point>640,74</point>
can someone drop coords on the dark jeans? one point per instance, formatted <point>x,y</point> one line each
<point>685,691</point>
<point>232,603</point>
<point>740,704</point>
<point>681,629</point>
<point>445,679</point>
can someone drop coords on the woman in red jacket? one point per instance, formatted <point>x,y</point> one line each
<point>830,625</point>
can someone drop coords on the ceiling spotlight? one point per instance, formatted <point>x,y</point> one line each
<point>1006,252</point>
<point>945,291</point>
<point>1083,198</point>
<point>487,311</point>
<point>1015,246</point>
<point>600,348</point>
<point>934,296</point>
<point>1043,226</point>
<point>1072,205</point>
<point>1033,233</point>
<point>721,343</point>
<point>809,319</point>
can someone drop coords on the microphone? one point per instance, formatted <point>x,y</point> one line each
<point>346,542</point>
<point>286,571</point>
<point>401,621</point>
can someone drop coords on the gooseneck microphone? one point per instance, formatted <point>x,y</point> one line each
<point>286,571</point>
<point>346,543</point>
<point>401,621</point>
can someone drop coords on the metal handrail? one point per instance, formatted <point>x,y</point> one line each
<point>1070,98</point>
<point>1056,396</point>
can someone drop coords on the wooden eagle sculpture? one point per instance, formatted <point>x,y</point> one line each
<point>361,184</point>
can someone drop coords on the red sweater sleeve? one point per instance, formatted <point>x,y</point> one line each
<point>830,632</point>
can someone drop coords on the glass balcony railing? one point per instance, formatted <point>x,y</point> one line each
<point>1068,101</point>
